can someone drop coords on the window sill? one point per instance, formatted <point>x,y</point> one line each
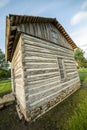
<point>64,80</point>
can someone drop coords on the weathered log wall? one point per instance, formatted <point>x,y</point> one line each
<point>43,66</point>
<point>43,83</point>
<point>17,76</point>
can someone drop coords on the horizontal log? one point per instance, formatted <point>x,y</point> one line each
<point>69,76</point>
<point>43,84</point>
<point>33,104</point>
<point>40,66</point>
<point>37,89</point>
<point>39,60</point>
<point>46,55</point>
<point>73,67</point>
<point>69,61</point>
<point>41,77</point>
<point>17,56</point>
<point>45,50</point>
<point>21,72</point>
<point>37,72</point>
<point>38,69</point>
<point>18,70</point>
<point>56,50</point>
<point>72,73</point>
<point>29,38</point>
<point>17,67</point>
<point>13,28</point>
<point>58,85</point>
<point>37,83</point>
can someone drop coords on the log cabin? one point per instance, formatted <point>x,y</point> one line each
<point>43,68</point>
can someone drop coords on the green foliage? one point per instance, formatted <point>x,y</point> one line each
<point>3,64</point>
<point>79,57</point>
<point>83,74</point>
<point>5,86</point>
<point>5,73</point>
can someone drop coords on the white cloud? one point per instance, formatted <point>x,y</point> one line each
<point>80,38</point>
<point>78,17</point>
<point>4,3</point>
<point>84,5</point>
<point>81,15</point>
<point>80,35</point>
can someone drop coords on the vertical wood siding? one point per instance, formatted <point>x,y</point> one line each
<point>44,31</point>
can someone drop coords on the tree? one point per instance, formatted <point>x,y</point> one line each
<point>3,64</point>
<point>79,57</point>
<point>5,72</point>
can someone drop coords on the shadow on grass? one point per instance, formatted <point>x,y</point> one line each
<point>59,118</point>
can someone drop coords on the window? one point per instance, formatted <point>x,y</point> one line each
<point>61,68</point>
<point>54,36</point>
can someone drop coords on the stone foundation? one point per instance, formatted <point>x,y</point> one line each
<point>34,114</point>
<point>6,100</point>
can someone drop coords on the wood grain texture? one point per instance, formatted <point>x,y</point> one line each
<point>44,31</point>
<point>41,70</point>
<point>17,75</point>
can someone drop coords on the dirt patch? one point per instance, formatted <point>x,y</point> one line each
<point>9,121</point>
<point>55,119</point>
<point>52,120</point>
<point>6,100</point>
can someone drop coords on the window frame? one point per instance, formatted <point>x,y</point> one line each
<point>54,36</point>
<point>61,68</point>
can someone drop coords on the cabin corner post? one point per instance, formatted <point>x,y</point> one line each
<point>27,113</point>
<point>17,77</point>
<point>12,80</point>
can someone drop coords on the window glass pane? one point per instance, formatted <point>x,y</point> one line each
<point>61,68</point>
<point>54,36</point>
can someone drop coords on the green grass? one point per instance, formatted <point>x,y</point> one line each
<point>78,120</point>
<point>83,74</point>
<point>71,114</point>
<point>5,86</point>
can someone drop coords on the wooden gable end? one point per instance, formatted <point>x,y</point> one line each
<point>45,28</point>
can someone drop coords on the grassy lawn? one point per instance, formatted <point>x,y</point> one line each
<point>5,86</point>
<point>83,74</point>
<point>78,121</point>
<point>71,114</point>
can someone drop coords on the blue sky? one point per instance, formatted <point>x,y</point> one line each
<point>72,14</point>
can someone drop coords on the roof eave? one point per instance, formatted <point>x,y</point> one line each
<point>7,37</point>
